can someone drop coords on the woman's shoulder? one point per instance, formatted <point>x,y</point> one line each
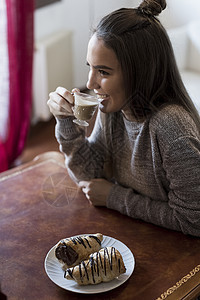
<point>170,111</point>
<point>173,121</point>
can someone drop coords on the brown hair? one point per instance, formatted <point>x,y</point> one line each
<point>143,48</point>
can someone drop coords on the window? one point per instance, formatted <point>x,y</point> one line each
<point>41,3</point>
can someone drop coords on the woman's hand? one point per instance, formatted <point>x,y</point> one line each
<point>61,102</point>
<point>96,190</point>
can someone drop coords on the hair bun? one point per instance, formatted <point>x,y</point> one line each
<point>152,7</point>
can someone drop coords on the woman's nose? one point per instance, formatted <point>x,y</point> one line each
<point>92,81</point>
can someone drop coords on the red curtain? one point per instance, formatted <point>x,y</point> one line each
<point>20,53</point>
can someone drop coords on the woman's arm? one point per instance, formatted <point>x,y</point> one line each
<point>182,210</point>
<point>85,157</point>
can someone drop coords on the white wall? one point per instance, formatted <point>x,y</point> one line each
<point>103,7</point>
<point>70,15</point>
<point>180,12</point>
<point>79,15</point>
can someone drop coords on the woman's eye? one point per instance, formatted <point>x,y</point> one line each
<point>102,72</point>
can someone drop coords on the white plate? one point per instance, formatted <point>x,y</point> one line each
<point>56,274</point>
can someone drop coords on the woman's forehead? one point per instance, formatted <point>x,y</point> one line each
<point>99,54</point>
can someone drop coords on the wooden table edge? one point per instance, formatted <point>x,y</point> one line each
<point>55,156</point>
<point>190,282</point>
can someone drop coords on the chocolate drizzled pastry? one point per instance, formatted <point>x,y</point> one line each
<point>102,266</point>
<point>72,251</point>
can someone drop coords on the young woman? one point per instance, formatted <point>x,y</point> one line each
<point>143,156</point>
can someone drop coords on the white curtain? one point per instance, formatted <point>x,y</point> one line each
<point>4,80</point>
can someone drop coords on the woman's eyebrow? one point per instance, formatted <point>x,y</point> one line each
<point>100,67</point>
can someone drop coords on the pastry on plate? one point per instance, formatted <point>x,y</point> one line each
<point>102,266</point>
<point>72,251</point>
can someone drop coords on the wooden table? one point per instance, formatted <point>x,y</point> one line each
<point>41,205</point>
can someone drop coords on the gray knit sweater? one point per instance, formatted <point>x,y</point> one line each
<point>155,165</point>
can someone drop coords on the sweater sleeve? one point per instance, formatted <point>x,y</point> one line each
<point>84,157</point>
<point>182,210</point>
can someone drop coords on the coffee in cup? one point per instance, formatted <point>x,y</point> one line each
<point>84,107</point>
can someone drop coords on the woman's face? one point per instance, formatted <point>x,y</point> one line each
<point>105,76</point>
